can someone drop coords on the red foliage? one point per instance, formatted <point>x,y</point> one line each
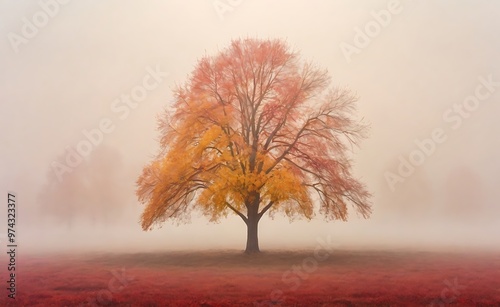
<point>346,278</point>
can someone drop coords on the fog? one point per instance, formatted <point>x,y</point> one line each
<point>427,78</point>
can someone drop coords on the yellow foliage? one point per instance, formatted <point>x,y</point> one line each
<point>201,153</point>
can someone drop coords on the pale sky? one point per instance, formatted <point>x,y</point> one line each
<point>420,68</point>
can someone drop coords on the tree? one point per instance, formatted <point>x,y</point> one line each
<point>92,190</point>
<point>254,130</point>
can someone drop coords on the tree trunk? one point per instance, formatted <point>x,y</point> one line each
<point>252,235</point>
<point>252,223</point>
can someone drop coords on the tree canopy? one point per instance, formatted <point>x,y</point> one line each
<point>254,130</point>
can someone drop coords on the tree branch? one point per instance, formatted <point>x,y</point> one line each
<point>243,217</point>
<point>269,205</point>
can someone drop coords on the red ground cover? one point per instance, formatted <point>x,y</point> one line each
<point>231,278</point>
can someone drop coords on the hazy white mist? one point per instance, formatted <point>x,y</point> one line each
<point>66,79</point>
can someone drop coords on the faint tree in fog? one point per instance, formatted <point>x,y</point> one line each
<point>464,199</point>
<point>93,191</point>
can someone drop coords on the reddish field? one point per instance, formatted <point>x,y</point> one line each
<point>230,278</point>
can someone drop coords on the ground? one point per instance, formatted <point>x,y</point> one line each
<point>272,278</point>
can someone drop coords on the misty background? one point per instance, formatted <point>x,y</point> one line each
<point>66,78</point>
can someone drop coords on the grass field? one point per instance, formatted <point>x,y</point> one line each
<point>272,278</point>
